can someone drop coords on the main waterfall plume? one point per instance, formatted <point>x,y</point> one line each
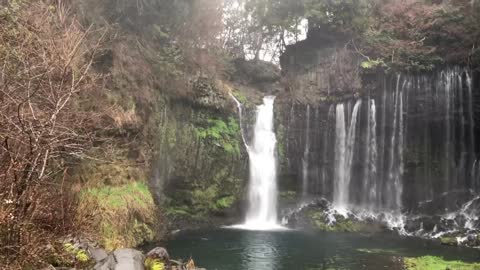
<point>262,190</point>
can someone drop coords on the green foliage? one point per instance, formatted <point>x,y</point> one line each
<point>69,248</point>
<point>80,255</point>
<point>178,211</point>
<point>371,64</point>
<point>204,199</point>
<point>225,202</point>
<point>342,15</point>
<point>281,139</point>
<point>154,264</point>
<point>240,97</point>
<point>288,195</point>
<point>115,197</point>
<point>222,134</point>
<point>422,62</point>
<point>210,200</point>
<point>11,8</point>
<point>341,224</point>
<point>378,251</point>
<point>124,213</point>
<point>437,263</point>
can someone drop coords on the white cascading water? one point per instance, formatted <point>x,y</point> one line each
<point>448,153</point>
<point>305,156</point>
<point>344,149</point>
<point>240,117</point>
<point>331,115</point>
<point>370,167</point>
<point>340,143</point>
<point>262,190</point>
<point>471,124</point>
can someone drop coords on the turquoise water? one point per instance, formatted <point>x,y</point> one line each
<point>227,249</point>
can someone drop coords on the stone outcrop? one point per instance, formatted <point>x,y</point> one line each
<point>320,68</point>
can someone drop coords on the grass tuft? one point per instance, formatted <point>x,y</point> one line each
<point>437,263</point>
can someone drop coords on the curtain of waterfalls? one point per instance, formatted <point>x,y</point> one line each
<point>413,142</point>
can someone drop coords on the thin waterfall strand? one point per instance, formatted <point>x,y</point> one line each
<point>305,156</point>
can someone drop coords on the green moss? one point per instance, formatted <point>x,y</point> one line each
<point>240,97</point>
<point>225,202</point>
<point>124,213</point>
<point>177,211</point>
<point>69,248</point>
<point>421,62</point>
<point>449,241</point>
<point>288,195</point>
<point>378,251</point>
<point>319,222</point>
<point>154,264</point>
<point>105,174</point>
<point>82,256</point>
<point>114,197</point>
<point>437,263</point>
<point>224,134</point>
<point>371,64</point>
<point>281,139</point>
<point>78,256</point>
<point>209,200</point>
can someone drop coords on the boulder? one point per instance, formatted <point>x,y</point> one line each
<point>122,259</point>
<point>159,253</point>
<point>128,259</point>
<point>106,264</point>
<point>98,254</point>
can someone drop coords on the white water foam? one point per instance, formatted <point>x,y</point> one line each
<point>262,192</point>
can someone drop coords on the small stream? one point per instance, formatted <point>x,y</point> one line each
<point>227,249</point>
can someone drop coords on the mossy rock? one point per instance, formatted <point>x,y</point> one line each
<point>437,263</point>
<point>288,195</point>
<point>449,241</point>
<point>68,255</point>
<point>342,224</point>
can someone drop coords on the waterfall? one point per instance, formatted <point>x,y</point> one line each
<point>240,118</point>
<point>447,142</point>
<point>305,156</point>
<point>344,150</point>
<point>399,172</point>
<point>370,161</point>
<point>471,125</point>
<point>340,137</point>
<point>410,150</point>
<point>394,185</point>
<point>325,152</point>
<point>262,196</point>
<point>351,140</point>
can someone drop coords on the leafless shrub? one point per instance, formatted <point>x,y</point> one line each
<point>45,61</point>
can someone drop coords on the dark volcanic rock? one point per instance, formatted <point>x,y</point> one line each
<point>256,71</point>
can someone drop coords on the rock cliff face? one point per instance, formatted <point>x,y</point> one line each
<point>200,166</point>
<point>321,69</point>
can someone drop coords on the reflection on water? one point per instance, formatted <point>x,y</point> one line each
<point>227,249</point>
<point>260,251</point>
